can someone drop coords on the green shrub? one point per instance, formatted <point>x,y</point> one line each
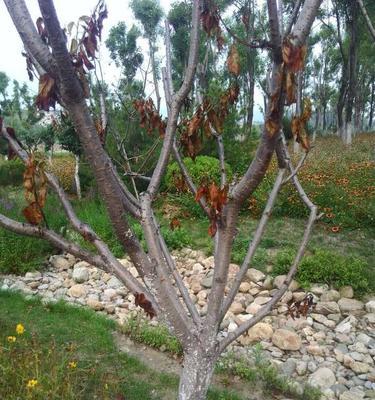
<point>324,266</point>
<point>204,168</point>
<point>11,172</point>
<point>19,254</point>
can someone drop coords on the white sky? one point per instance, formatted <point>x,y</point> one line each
<point>13,64</point>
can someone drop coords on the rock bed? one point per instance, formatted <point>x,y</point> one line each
<point>333,348</point>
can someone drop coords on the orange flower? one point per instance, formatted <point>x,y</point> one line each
<point>330,215</point>
<point>335,229</point>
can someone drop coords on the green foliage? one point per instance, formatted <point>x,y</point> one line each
<point>123,49</point>
<point>202,169</point>
<point>149,13</point>
<point>20,254</point>
<point>11,172</point>
<point>324,266</point>
<point>154,336</point>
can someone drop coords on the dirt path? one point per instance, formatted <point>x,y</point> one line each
<point>163,362</point>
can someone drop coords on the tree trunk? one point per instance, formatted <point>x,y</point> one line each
<point>352,70</point>
<point>154,75</point>
<point>296,145</point>
<point>372,101</point>
<point>76,178</point>
<point>196,375</point>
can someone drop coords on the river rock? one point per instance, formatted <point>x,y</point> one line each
<point>286,340</point>
<point>260,331</point>
<point>60,263</point>
<point>80,274</point>
<point>255,275</point>
<point>77,291</point>
<point>370,306</point>
<point>350,305</point>
<point>322,378</point>
<point>327,307</point>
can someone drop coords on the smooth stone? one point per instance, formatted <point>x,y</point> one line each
<point>350,305</point>
<point>260,331</point>
<point>322,378</point>
<point>80,274</point>
<point>286,340</point>
<point>77,291</point>
<point>255,275</point>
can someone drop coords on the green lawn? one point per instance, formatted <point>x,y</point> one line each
<point>57,335</point>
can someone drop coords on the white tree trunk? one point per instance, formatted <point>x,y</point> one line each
<point>348,134</point>
<point>76,178</point>
<point>196,376</point>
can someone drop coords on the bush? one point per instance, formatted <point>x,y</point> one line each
<point>20,254</point>
<point>324,266</point>
<point>11,172</point>
<point>204,168</point>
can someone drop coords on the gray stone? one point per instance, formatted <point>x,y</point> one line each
<point>80,274</point>
<point>370,306</point>
<point>286,340</point>
<point>207,282</point>
<point>322,378</point>
<point>327,307</point>
<point>114,283</point>
<point>301,368</point>
<point>36,275</point>
<point>255,275</point>
<point>288,367</point>
<point>330,295</point>
<point>346,325</point>
<point>350,305</point>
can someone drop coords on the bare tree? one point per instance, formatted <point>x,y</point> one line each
<point>161,290</point>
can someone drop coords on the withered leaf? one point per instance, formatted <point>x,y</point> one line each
<point>33,214</point>
<point>290,83</point>
<point>233,60</point>
<point>47,95</point>
<point>141,301</point>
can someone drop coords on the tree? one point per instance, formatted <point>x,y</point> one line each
<point>161,290</point>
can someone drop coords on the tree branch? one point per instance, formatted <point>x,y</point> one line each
<point>29,35</point>
<point>293,17</point>
<point>254,243</point>
<point>370,26</point>
<point>176,105</point>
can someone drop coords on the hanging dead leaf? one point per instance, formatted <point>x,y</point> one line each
<point>33,214</point>
<point>212,229</point>
<point>141,301</point>
<point>47,95</point>
<point>272,127</point>
<point>233,60</point>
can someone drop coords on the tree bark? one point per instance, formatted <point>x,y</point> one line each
<point>196,375</point>
<point>76,177</point>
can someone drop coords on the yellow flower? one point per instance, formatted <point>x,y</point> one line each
<point>20,329</point>
<point>31,383</point>
<point>72,364</point>
<point>11,339</point>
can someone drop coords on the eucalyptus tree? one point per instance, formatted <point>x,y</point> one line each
<point>160,290</point>
<point>149,13</point>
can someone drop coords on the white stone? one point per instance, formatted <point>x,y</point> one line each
<point>60,263</point>
<point>370,306</point>
<point>322,378</point>
<point>255,275</point>
<point>350,305</point>
<point>80,274</point>
<point>260,331</point>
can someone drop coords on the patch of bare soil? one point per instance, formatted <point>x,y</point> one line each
<point>163,362</point>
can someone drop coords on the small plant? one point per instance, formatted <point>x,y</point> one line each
<point>203,168</point>
<point>324,266</point>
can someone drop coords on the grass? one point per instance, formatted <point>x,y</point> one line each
<point>57,335</point>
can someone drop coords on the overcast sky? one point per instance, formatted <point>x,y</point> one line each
<point>13,64</point>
